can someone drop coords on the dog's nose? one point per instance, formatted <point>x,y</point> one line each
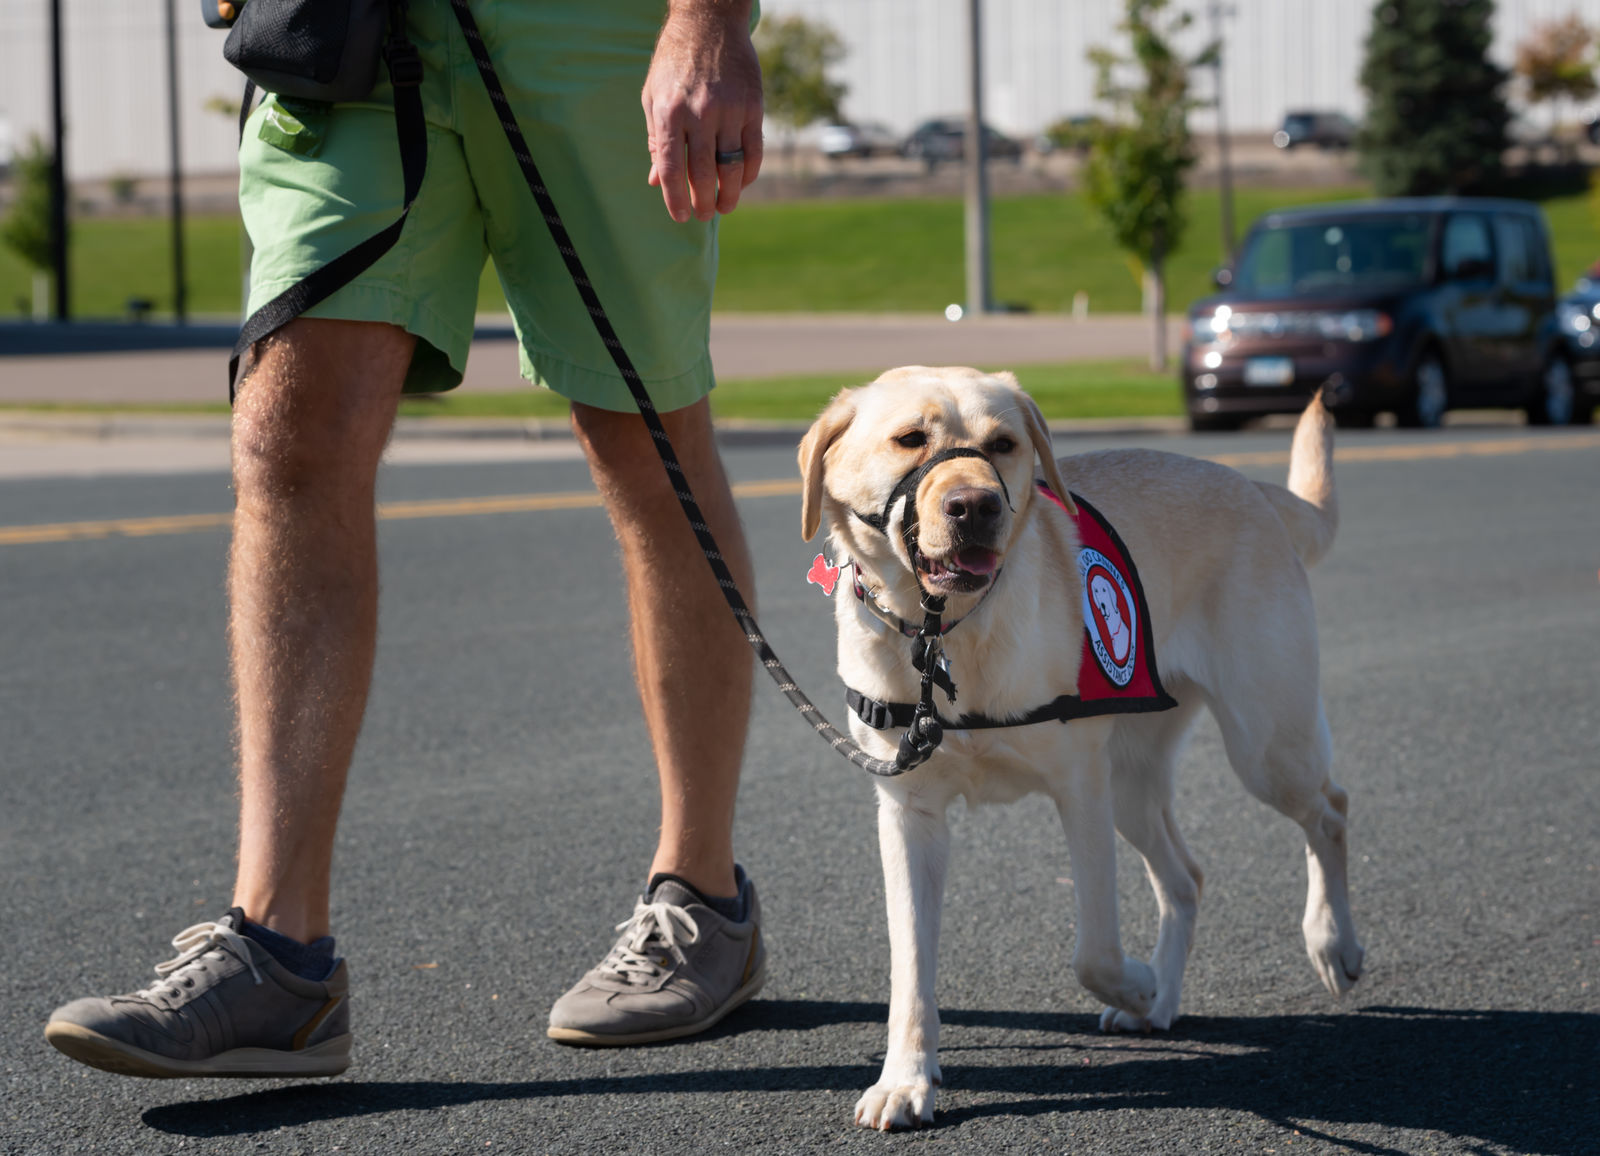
<point>972,509</point>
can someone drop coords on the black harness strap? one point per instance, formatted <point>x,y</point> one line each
<point>405,75</point>
<point>882,716</point>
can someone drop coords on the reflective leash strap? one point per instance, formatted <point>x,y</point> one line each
<point>918,743</point>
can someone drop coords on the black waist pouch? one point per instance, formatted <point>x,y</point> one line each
<point>325,50</point>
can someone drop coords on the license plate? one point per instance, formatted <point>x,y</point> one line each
<point>1269,371</point>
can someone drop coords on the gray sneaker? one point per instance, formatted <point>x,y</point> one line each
<point>223,1007</point>
<point>678,968</point>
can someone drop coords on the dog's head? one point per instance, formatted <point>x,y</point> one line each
<point>929,469</point>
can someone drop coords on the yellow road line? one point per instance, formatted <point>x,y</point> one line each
<point>779,487</point>
<point>388,511</point>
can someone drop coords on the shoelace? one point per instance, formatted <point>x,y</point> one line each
<point>201,942</point>
<point>651,924</point>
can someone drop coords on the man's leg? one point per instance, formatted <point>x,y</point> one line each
<point>691,658</point>
<point>693,951</point>
<point>309,427</point>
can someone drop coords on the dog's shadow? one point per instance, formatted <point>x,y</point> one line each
<point>1522,1080</point>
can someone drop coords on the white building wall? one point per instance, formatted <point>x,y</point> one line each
<point>115,70</point>
<point>906,62</point>
<point>908,57</point>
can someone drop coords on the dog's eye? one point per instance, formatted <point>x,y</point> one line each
<point>912,440</point>
<point>1002,445</point>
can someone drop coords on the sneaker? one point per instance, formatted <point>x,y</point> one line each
<point>678,968</point>
<point>223,1007</point>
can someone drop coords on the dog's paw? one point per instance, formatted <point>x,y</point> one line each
<point>1338,964</point>
<point>1338,958</point>
<point>1116,1020</point>
<point>888,1107</point>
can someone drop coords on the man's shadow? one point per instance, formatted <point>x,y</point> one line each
<point>1529,1081</point>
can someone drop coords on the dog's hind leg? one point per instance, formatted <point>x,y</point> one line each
<point>1143,754</point>
<point>1084,800</point>
<point>914,840</point>
<point>1285,762</point>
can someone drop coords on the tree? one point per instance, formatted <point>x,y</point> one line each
<point>1134,177</point>
<point>27,226</point>
<point>1555,61</point>
<point>1436,116</point>
<point>796,54</point>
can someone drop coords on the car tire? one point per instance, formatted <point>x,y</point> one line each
<point>1430,394</point>
<point>1354,418</point>
<point>1556,401</point>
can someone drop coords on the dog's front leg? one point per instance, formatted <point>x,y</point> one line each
<point>914,839</point>
<point>1086,814</point>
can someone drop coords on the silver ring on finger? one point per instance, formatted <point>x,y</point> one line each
<point>730,157</point>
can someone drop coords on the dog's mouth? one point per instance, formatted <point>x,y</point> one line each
<point>967,569</point>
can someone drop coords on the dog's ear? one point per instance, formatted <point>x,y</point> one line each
<point>823,433</point>
<point>1039,434</point>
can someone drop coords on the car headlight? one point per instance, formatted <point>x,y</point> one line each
<point>1573,318</point>
<point>1357,325</point>
<point>1210,327</point>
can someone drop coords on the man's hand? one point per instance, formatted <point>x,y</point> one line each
<point>701,98</point>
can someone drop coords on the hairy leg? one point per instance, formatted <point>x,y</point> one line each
<point>310,425</point>
<point>691,659</point>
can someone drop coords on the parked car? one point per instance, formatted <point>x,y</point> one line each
<point>1326,130</point>
<point>1412,305</point>
<point>1578,322</point>
<point>856,140</point>
<point>945,139</point>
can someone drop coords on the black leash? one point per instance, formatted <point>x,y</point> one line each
<point>925,733</point>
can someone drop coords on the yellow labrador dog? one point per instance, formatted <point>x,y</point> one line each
<point>925,480</point>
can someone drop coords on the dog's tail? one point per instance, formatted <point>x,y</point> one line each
<point>1309,508</point>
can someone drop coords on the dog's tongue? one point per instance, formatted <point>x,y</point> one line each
<point>976,560</point>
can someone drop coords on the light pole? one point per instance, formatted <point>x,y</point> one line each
<point>1218,12</point>
<point>180,287</point>
<point>58,171</point>
<point>977,184</point>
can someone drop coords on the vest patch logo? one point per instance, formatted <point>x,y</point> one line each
<point>1110,615</point>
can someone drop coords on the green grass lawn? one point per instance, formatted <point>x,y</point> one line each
<point>850,255</point>
<point>1070,390</point>
<point>870,255</point>
<point>1079,389</point>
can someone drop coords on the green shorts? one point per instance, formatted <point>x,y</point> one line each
<point>316,179</point>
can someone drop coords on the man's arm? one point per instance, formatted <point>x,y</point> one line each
<point>703,97</point>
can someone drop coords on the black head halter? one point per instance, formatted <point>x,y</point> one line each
<point>911,481</point>
<point>924,732</point>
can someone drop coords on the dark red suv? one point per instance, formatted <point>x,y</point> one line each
<point>1412,306</point>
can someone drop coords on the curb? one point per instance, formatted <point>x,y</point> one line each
<point>733,432</point>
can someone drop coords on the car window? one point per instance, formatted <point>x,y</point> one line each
<point>1468,252</point>
<point>1369,252</point>
<point>1515,258</point>
<point>1538,251</point>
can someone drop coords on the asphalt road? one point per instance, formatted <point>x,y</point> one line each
<point>502,810</point>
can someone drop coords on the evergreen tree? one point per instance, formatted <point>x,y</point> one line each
<point>1436,116</point>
